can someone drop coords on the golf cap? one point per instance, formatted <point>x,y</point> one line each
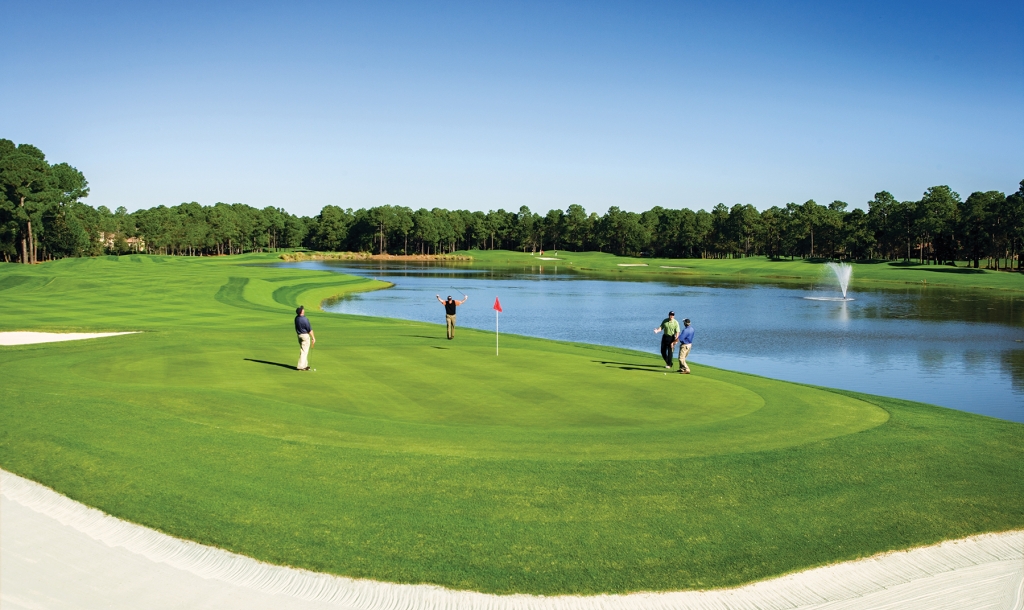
<point>299,309</point>
<point>449,297</point>
<point>671,313</point>
<point>686,321</point>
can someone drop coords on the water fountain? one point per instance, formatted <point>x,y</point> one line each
<point>843,272</point>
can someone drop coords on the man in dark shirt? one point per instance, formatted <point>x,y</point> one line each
<point>669,339</point>
<point>306,337</point>
<point>449,312</point>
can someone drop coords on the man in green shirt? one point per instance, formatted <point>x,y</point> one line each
<point>669,339</point>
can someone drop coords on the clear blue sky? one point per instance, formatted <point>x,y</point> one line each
<point>487,105</point>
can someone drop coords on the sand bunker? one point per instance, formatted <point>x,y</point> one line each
<point>54,547</point>
<point>547,258</point>
<point>28,338</point>
<point>632,264</point>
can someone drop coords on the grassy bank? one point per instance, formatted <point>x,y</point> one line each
<point>556,468</point>
<point>300,256</point>
<point>752,269</point>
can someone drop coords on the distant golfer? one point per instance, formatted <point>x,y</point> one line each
<point>668,340</point>
<point>306,337</point>
<point>685,343</point>
<point>449,312</point>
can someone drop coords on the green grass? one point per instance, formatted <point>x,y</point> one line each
<point>556,468</point>
<point>754,268</point>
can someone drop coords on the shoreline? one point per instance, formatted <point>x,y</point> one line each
<point>298,257</point>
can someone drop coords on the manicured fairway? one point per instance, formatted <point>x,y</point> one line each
<point>755,268</point>
<point>554,468</point>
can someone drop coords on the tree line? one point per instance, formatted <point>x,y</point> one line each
<point>42,217</point>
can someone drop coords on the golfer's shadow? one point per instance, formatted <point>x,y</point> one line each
<point>632,366</point>
<point>287,366</point>
<point>653,366</point>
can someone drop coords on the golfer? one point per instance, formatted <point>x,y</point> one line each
<point>306,337</point>
<point>685,343</point>
<point>668,340</point>
<point>449,312</point>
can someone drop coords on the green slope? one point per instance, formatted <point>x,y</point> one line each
<point>554,468</point>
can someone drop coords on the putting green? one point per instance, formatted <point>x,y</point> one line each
<point>554,468</point>
<point>540,400</point>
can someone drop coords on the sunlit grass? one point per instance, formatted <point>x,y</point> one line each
<point>554,468</point>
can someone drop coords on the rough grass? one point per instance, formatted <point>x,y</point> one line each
<point>556,468</point>
<point>754,268</point>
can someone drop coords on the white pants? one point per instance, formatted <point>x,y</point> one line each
<point>303,351</point>
<point>684,351</point>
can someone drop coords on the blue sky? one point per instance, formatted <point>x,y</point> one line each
<point>488,105</point>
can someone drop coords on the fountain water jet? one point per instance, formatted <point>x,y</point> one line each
<point>843,272</point>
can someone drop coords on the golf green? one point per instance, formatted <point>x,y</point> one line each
<point>552,468</point>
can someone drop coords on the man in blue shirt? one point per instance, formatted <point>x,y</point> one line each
<point>306,337</point>
<point>685,343</point>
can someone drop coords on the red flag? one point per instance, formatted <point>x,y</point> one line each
<point>497,304</point>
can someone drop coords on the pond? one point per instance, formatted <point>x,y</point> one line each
<point>956,348</point>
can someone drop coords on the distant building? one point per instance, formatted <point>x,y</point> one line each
<point>135,244</point>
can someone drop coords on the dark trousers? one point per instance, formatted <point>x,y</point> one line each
<point>667,348</point>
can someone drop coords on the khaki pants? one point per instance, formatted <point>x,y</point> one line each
<point>449,321</point>
<point>303,351</point>
<point>684,351</point>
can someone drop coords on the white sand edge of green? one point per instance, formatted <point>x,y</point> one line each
<point>57,552</point>
<point>30,337</point>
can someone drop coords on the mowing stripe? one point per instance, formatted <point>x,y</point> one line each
<point>985,571</point>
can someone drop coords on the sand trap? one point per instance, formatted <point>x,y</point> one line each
<point>547,258</point>
<point>59,553</point>
<point>633,264</point>
<point>671,267</point>
<point>27,338</point>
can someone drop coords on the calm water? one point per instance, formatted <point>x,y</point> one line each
<point>942,346</point>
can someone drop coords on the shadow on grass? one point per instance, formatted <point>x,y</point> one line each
<point>439,347</point>
<point>946,270</point>
<point>653,366</point>
<point>286,366</point>
<point>660,369</point>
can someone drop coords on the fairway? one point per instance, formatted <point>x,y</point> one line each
<point>554,468</point>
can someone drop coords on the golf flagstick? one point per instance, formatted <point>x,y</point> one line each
<point>497,310</point>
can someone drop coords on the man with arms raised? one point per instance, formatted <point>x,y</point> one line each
<point>449,312</point>
<point>668,340</point>
<point>306,337</point>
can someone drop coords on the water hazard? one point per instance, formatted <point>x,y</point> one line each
<point>956,348</point>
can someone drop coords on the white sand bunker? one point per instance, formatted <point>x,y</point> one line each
<point>59,553</point>
<point>633,264</point>
<point>28,338</point>
<point>547,258</point>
